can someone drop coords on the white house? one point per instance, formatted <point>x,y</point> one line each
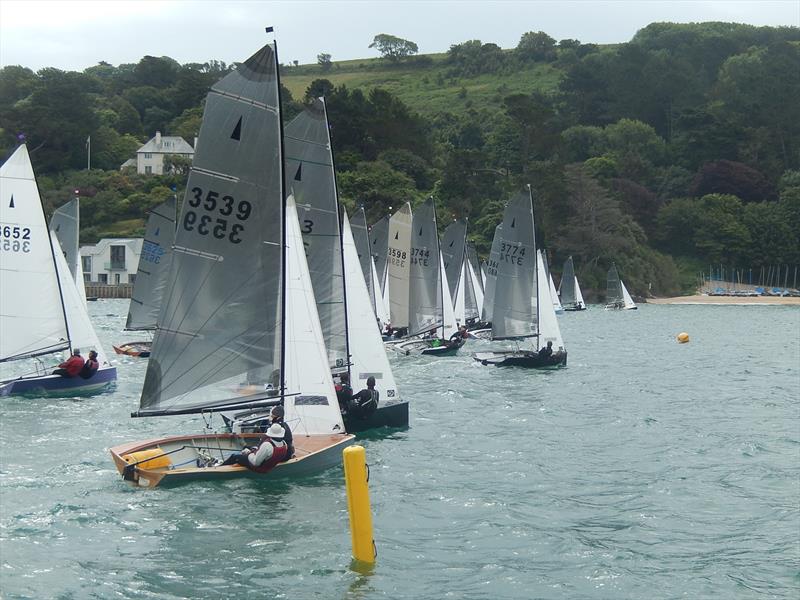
<point>150,157</point>
<point>111,260</point>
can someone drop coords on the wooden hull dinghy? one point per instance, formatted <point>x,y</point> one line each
<point>180,459</point>
<point>140,349</point>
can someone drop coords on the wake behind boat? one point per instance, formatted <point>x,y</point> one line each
<point>42,311</point>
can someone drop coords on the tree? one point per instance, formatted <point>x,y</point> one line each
<point>393,48</point>
<point>536,46</point>
<point>729,177</point>
<point>324,61</point>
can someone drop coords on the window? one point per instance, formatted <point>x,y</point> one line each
<point>87,278</point>
<point>148,170</point>
<point>148,155</point>
<point>116,278</point>
<point>132,278</point>
<point>102,278</point>
<point>86,262</point>
<point>117,258</point>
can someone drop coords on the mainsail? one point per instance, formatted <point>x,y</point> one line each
<point>399,263</point>
<point>65,224</point>
<point>360,232</point>
<point>567,287</point>
<point>425,285</point>
<point>515,313</point>
<point>613,286</point>
<point>31,323</point>
<point>222,314</point>
<point>453,243</point>
<point>379,242</point>
<point>549,331</point>
<point>491,275</point>
<point>154,267</point>
<point>311,178</point>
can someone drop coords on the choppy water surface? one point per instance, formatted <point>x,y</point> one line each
<point>644,469</point>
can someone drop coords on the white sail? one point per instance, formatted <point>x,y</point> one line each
<point>453,243</point>
<point>81,331</point>
<point>476,285</point>
<point>549,331</point>
<point>578,296</point>
<point>32,320</point>
<point>627,301</point>
<point>310,404</point>
<point>381,313</point>
<point>554,295</point>
<point>399,264</point>
<point>459,304</point>
<point>425,275</point>
<point>65,223</point>
<point>491,275</point>
<point>379,244</point>
<point>368,356</point>
<point>450,324</point>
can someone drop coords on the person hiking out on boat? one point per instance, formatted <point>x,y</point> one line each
<point>365,402</point>
<point>276,416</point>
<point>72,366</point>
<point>547,351</point>
<point>266,456</point>
<point>90,366</point>
<point>343,391</point>
<point>462,333</point>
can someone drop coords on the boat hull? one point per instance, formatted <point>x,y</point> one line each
<point>524,359</point>
<point>141,349</point>
<point>313,453</point>
<point>426,347</point>
<point>56,386</point>
<point>386,415</point>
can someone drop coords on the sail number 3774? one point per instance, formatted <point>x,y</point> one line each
<point>205,220</point>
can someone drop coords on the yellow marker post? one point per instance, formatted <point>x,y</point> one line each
<point>355,476</point>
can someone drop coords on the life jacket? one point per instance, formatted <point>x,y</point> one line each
<point>89,368</point>
<point>278,454</point>
<point>73,365</point>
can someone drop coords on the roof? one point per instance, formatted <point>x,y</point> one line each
<point>170,144</point>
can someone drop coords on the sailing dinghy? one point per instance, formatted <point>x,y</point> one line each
<point>617,296</point>
<point>569,290</point>
<point>238,327</point>
<point>41,309</point>
<point>522,308</point>
<point>151,277</point>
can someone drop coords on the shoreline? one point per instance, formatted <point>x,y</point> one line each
<point>742,300</point>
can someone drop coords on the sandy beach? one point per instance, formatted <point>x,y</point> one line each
<point>704,299</point>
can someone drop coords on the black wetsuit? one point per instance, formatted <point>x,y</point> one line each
<point>364,403</point>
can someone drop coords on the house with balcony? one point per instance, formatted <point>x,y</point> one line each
<point>150,157</point>
<point>111,260</point>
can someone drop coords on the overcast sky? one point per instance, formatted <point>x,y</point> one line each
<point>73,35</point>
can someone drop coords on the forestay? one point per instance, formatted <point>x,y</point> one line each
<point>399,265</point>
<point>154,267</point>
<point>32,319</point>
<point>515,312</point>
<point>221,315</point>
<point>491,275</point>
<point>425,285</point>
<point>368,356</point>
<point>65,223</point>
<point>311,178</point>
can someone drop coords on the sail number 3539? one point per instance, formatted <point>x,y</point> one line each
<point>15,238</point>
<point>225,206</point>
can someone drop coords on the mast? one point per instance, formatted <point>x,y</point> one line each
<point>339,216</point>
<point>283,222</point>
<point>536,287</point>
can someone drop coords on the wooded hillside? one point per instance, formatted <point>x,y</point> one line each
<point>676,150</point>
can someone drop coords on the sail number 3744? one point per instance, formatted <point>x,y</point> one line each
<point>205,221</point>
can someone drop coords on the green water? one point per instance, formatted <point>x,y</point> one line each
<point>645,469</point>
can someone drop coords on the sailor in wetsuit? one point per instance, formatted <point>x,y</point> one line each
<point>365,402</point>
<point>547,351</point>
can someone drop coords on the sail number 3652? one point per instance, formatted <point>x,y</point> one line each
<point>225,206</point>
<point>15,238</point>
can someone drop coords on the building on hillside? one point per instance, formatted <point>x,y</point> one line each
<point>111,260</point>
<point>150,157</point>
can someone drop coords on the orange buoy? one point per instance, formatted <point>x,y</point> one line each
<point>683,337</point>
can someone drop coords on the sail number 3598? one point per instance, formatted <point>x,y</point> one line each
<point>15,238</point>
<point>225,206</point>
